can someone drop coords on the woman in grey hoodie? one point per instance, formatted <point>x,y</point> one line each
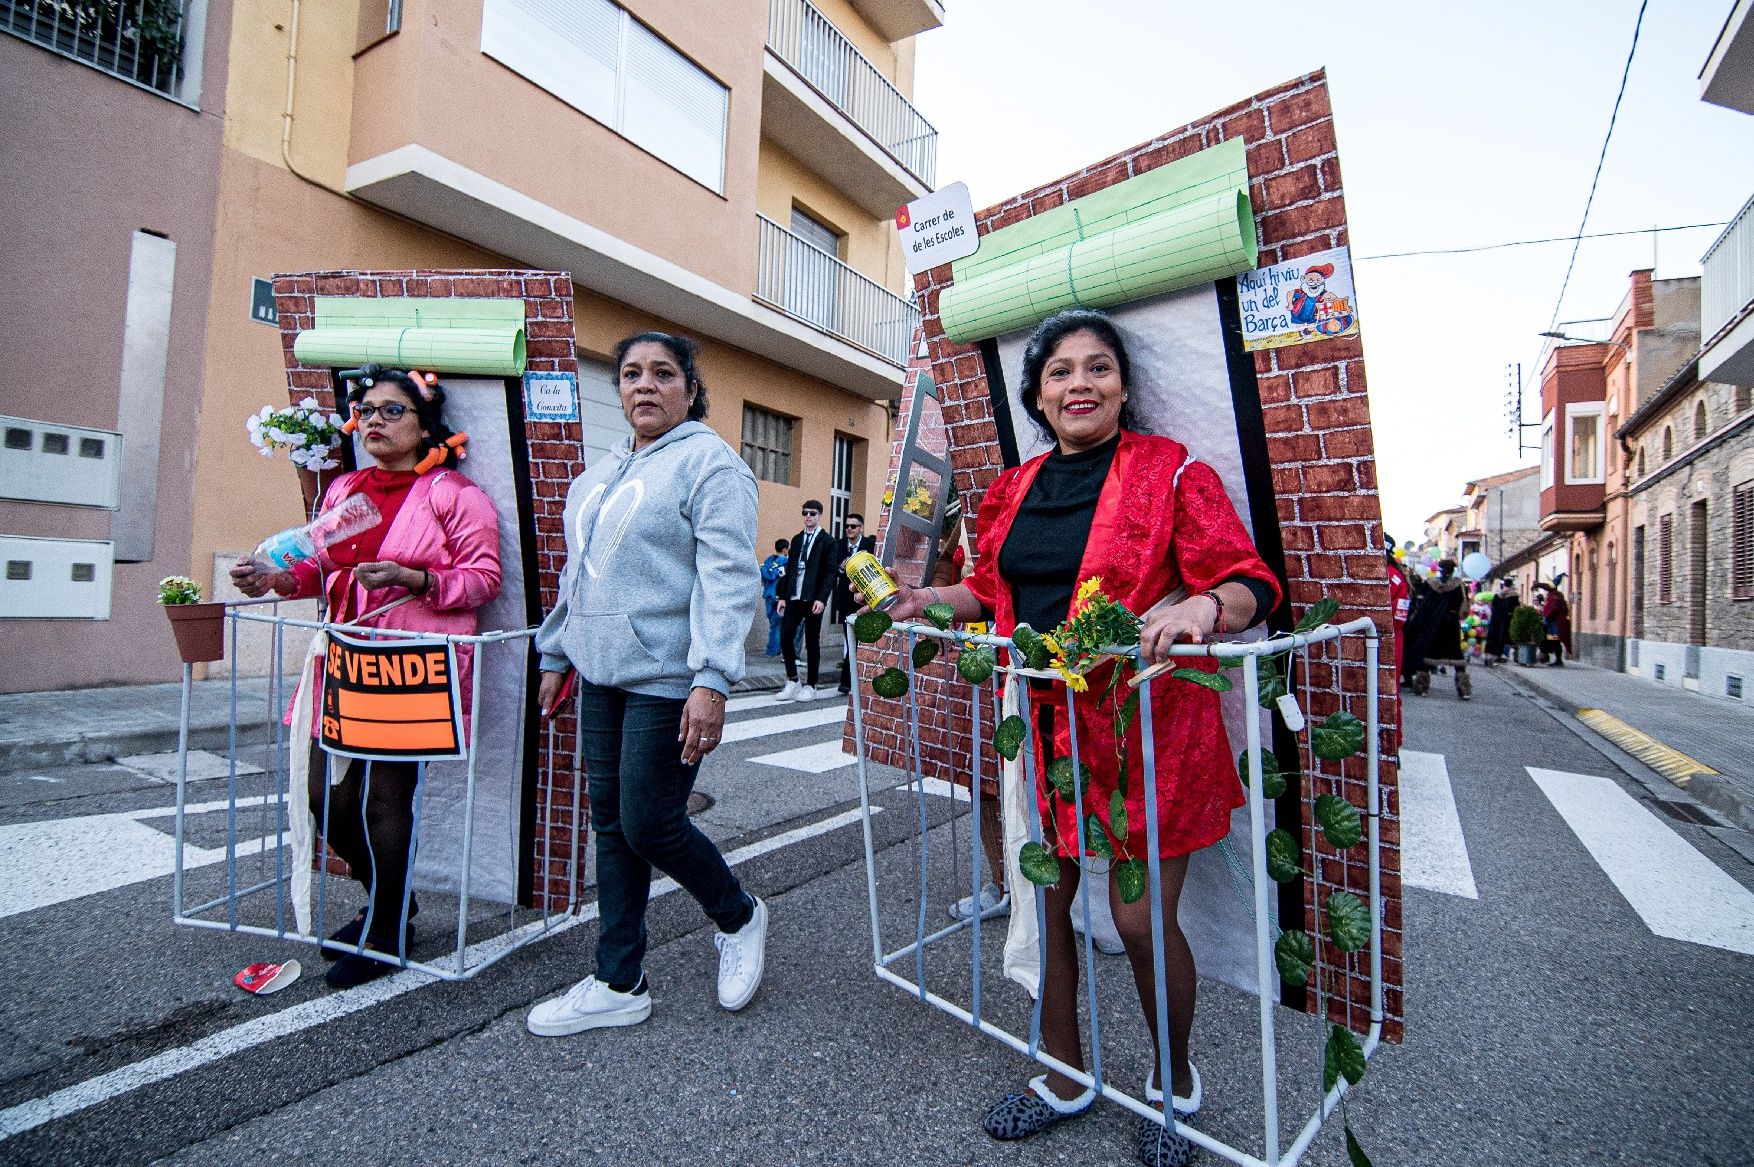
<point>657,596</point>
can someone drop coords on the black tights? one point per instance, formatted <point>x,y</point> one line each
<point>374,840</point>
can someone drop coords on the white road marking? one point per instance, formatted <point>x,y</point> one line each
<point>1675,890</point>
<point>203,765</point>
<point>1434,854</point>
<point>817,759</point>
<point>942,789</point>
<point>754,701</point>
<point>27,1116</point>
<point>754,727</point>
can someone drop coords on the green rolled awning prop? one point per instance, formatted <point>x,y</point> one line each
<point>475,337</point>
<point>1187,223</point>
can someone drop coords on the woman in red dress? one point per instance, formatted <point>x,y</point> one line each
<point>1161,533</point>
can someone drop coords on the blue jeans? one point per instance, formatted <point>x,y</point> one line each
<point>639,811</point>
<point>773,626</point>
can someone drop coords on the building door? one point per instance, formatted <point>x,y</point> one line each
<point>812,270</point>
<point>840,487</point>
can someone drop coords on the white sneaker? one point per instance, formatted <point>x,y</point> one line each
<point>994,902</point>
<point>742,955</point>
<point>789,692</point>
<point>807,693</point>
<point>590,1004</point>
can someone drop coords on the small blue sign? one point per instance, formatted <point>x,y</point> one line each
<point>551,397</point>
<point>262,302</point>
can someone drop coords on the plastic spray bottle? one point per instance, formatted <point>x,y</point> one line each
<point>354,515</point>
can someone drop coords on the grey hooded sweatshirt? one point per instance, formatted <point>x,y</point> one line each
<point>661,583</point>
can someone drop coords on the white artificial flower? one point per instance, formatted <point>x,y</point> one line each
<point>327,464</point>
<point>336,421</point>
<point>308,403</point>
<point>267,451</point>
<point>267,412</point>
<point>298,440</point>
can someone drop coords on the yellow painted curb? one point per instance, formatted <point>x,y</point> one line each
<point>1671,763</point>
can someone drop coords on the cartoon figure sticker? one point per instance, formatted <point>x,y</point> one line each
<point>1302,300</point>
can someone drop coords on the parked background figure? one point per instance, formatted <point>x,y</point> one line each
<point>852,541</point>
<point>656,598</point>
<point>1434,630</point>
<point>1504,603</point>
<point>1045,528</point>
<point>1400,602</point>
<point>770,593</point>
<point>1556,621</point>
<point>806,583</point>
<point>427,567</point>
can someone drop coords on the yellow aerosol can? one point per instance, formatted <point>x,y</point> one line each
<point>874,585</point>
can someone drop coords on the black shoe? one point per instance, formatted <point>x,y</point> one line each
<point>353,969</point>
<point>345,939</point>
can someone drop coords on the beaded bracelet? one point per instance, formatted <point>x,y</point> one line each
<point>1218,625</point>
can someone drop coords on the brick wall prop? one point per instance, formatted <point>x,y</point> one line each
<point>555,451</point>
<point>1316,415</point>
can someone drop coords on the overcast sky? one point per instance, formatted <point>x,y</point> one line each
<point>1457,124</point>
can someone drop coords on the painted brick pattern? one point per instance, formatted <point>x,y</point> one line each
<point>556,457</point>
<point>1317,413</point>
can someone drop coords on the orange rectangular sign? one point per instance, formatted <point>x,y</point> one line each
<point>391,699</point>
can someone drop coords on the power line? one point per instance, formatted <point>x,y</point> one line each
<point>1602,158</point>
<point>1533,242</point>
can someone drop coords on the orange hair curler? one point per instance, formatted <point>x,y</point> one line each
<point>437,455</point>
<point>352,422</point>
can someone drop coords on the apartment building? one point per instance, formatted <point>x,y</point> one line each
<point>109,172</point>
<point>1503,514</point>
<point>729,171</point>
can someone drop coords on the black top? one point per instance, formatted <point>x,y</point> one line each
<point>1042,553</point>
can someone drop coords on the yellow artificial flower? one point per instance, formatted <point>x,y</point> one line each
<point>1087,589</point>
<point>889,496</point>
<point>1075,680</point>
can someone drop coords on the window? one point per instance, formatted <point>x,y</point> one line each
<point>153,43</point>
<point>767,444</point>
<point>56,443</point>
<point>1742,543</point>
<point>1744,398</point>
<point>1701,421</point>
<point>1613,564</point>
<point>84,572</point>
<point>1666,559</point>
<point>1635,583</point>
<point>1583,421</point>
<point>1547,470</point>
<point>1593,583</point>
<point>18,438</point>
<point>598,59</point>
<point>1668,442</point>
<point>840,485</point>
<point>1641,461</point>
<point>812,271</point>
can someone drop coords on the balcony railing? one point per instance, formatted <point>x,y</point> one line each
<point>1728,282</point>
<point>802,280</point>
<point>818,52</point>
<point>141,41</point>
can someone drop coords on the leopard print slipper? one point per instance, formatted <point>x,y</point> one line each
<point>1024,1114</point>
<point>1160,1146</point>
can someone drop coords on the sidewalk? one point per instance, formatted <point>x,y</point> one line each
<point>1719,734</point>
<point>73,726</point>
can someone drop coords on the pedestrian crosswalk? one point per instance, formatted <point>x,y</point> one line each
<point>1434,854</point>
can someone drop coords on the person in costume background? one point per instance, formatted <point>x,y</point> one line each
<point>1159,531</point>
<point>1504,603</point>
<point>427,567</point>
<point>1434,630</point>
<point>771,567</point>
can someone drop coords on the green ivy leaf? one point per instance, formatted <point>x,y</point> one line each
<point>925,652</point>
<point>1348,921</point>
<point>1272,682</point>
<point>1117,814</point>
<point>1295,956</point>
<point>1096,838</point>
<point>1038,866</point>
<point>1027,641</point>
<point>1130,880</point>
<point>1339,736</point>
<point>1343,1058</point>
<point>890,683</point>
<point>1354,1152</point>
<point>1340,821</point>
<point>1008,738</point>
<point>869,627</point>
<point>1063,777</point>
<point>1126,713</point>
<point>1283,856</point>
<point>1320,612</point>
<point>976,664</point>
<point>1217,682</point>
<point>1272,778</point>
<point>940,616</point>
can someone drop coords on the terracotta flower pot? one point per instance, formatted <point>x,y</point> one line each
<point>199,629</point>
<point>313,484</point>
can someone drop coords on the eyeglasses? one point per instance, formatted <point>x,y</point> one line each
<point>812,514</point>
<point>855,526</point>
<point>391,410</point>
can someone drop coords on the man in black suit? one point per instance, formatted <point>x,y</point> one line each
<point>846,602</point>
<point>806,583</point>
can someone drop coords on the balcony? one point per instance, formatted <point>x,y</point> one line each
<point>1728,76</point>
<point>1726,295</point>
<point>809,284</point>
<point>142,42</point>
<point>825,103</point>
<point>896,19</point>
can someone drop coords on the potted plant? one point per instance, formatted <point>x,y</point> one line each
<point>1526,630</point>
<point>199,628</point>
<point>310,435</point>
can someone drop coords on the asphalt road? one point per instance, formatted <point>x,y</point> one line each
<point>1546,1021</point>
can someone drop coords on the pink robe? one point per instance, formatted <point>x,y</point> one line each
<point>1147,539</point>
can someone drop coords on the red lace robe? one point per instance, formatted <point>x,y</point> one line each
<point>1151,535</point>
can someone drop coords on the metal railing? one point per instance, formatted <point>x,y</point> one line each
<point>802,280</point>
<point>1728,281</point>
<point>801,36</point>
<point>1246,861</point>
<point>141,41</point>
